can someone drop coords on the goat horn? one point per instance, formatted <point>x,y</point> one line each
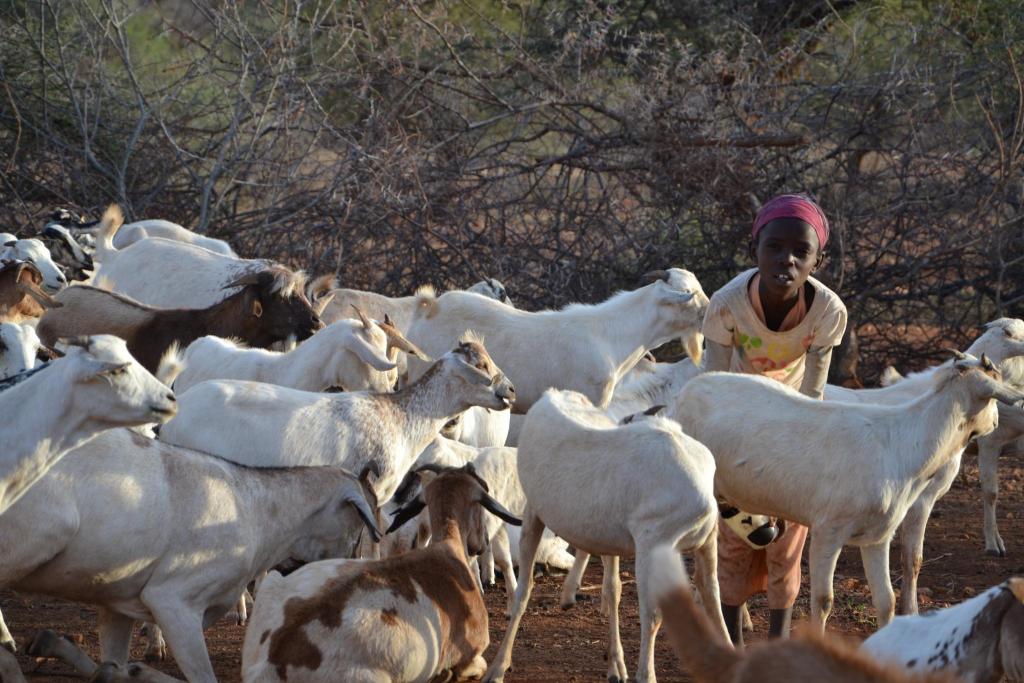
<point>252,278</point>
<point>653,276</point>
<point>362,317</point>
<point>987,363</point>
<point>396,340</point>
<point>957,353</point>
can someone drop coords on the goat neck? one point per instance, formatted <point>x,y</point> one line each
<point>45,418</point>
<point>945,422</point>
<point>420,410</point>
<point>296,494</point>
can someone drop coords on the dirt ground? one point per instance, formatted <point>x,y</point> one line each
<point>560,646</point>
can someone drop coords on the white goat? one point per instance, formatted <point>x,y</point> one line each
<point>614,490</point>
<point>95,387</point>
<point>19,345</point>
<point>146,530</point>
<point>650,384</point>
<point>980,640</point>
<point>400,309</point>
<point>36,253</point>
<point>848,471</point>
<point>171,274</point>
<point>156,227</point>
<point>586,348</point>
<point>405,619</point>
<point>262,425</point>
<point>350,354</point>
<point>1003,343</point>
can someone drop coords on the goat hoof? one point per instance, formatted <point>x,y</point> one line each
<point>995,552</point>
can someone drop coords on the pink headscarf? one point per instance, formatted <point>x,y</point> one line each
<point>793,206</point>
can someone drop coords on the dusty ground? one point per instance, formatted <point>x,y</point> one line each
<point>556,646</point>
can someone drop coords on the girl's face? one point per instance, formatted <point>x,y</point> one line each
<point>786,252</point>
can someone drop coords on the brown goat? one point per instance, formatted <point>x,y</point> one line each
<point>253,315</point>
<point>710,659</point>
<point>20,296</point>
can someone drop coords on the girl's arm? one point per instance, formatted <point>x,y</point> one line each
<point>718,357</point>
<point>816,371</point>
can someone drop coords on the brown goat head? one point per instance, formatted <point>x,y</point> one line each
<point>273,306</point>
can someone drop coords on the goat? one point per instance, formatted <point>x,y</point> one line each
<point>131,233</point>
<point>262,425</point>
<point>146,530</point>
<point>19,347</point>
<point>405,619</point>
<point>35,252</point>
<point>545,349</point>
<point>21,299</point>
<point>348,354</point>
<point>400,309</point>
<point>95,387</point>
<point>170,274</point>
<point>981,639</point>
<point>74,258</point>
<point>254,314</point>
<point>857,490</point>
<point>710,658</point>
<point>1003,343</point>
<point>613,490</point>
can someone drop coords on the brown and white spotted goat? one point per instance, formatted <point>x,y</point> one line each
<point>406,619</point>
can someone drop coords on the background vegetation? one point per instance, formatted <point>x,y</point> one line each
<point>562,146</point>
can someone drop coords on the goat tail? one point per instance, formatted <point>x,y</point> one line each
<point>426,301</point>
<point>698,645</point>
<point>889,376</point>
<point>111,222</point>
<point>171,365</point>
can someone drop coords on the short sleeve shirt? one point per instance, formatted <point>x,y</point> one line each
<point>731,321</point>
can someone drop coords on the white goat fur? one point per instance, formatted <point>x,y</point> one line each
<point>586,348</point>
<point>344,354</point>
<point>261,425</point>
<point>632,487</point>
<point>150,531</point>
<point>90,390</point>
<point>848,471</point>
<point>1003,343</point>
<point>400,309</point>
<point>19,344</point>
<point>36,253</point>
<point>979,640</point>
<point>131,233</point>
<point>171,274</point>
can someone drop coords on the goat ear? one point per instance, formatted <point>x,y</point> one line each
<point>388,320</point>
<point>407,512</point>
<point>653,276</point>
<point>496,508</point>
<point>257,308</point>
<point>1016,586</point>
<point>371,356</point>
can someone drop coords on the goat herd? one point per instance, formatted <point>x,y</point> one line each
<point>164,507</point>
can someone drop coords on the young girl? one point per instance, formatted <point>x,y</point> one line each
<point>777,321</point>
